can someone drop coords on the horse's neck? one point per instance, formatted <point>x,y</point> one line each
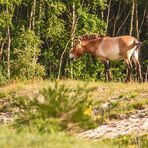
<point>90,46</point>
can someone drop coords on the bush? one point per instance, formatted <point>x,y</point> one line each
<point>57,102</point>
<point>3,78</point>
<point>89,68</point>
<point>24,65</point>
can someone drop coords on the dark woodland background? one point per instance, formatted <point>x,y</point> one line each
<point>36,36</point>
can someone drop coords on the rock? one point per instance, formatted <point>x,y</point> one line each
<point>135,123</point>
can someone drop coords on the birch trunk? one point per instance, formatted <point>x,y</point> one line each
<point>136,20</point>
<point>72,35</point>
<point>8,47</point>
<point>71,39</point>
<point>132,18</point>
<point>102,15</point>
<point>40,15</point>
<point>108,14</point>
<point>32,16</point>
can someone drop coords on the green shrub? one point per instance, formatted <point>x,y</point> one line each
<point>26,52</point>
<point>55,102</point>
<point>3,77</point>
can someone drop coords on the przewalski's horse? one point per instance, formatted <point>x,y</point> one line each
<point>110,48</point>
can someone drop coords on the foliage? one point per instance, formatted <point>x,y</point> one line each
<point>3,78</point>
<point>26,52</point>
<point>39,32</point>
<point>89,23</point>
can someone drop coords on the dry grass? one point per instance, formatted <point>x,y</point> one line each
<point>101,90</point>
<point>112,99</point>
<point>124,98</point>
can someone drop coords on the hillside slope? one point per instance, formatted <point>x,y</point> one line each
<point>93,110</point>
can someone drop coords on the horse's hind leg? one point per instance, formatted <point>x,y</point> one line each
<point>106,70</point>
<point>139,75</point>
<point>138,66</point>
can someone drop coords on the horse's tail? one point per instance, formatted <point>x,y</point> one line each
<point>138,44</point>
<point>137,51</point>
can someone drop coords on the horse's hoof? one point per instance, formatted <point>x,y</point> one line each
<point>140,81</point>
<point>127,81</point>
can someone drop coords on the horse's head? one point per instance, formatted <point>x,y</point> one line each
<point>77,50</point>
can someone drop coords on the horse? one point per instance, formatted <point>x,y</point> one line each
<point>107,48</point>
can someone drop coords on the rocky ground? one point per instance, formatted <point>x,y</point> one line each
<point>137,124</point>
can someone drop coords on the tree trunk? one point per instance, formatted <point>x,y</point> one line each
<point>143,18</point>
<point>108,14</point>
<point>102,15</point>
<point>61,60</point>
<point>40,15</point>
<point>136,20</point>
<point>132,18</point>
<point>72,35</point>
<point>117,17</point>
<point>8,47</point>
<point>123,24</point>
<point>1,50</point>
<point>73,27</point>
<point>32,16</point>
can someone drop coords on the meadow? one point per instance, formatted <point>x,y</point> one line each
<point>52,113</point>
<point>80,109</point>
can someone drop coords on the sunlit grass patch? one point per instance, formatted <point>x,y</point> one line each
<point>30,137</point>
<point>57,101</point>
<point>61,98</point>
<point>44,108</point>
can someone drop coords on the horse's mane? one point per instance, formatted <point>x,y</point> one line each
<point>91,37</point>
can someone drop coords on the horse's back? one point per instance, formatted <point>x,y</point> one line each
<point>114,48</point>
<point>127,39</point>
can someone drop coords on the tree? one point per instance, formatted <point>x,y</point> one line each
<point>26,52</point>
<point>132,17</point>
<point>56,24</point>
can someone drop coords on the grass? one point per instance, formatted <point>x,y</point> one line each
<point>30,137</point>
<point>10,137</point>
<point>47,112</point>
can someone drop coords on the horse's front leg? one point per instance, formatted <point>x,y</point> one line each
<point>107,70</point>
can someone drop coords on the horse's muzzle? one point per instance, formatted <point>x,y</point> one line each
<point>71,57</point>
